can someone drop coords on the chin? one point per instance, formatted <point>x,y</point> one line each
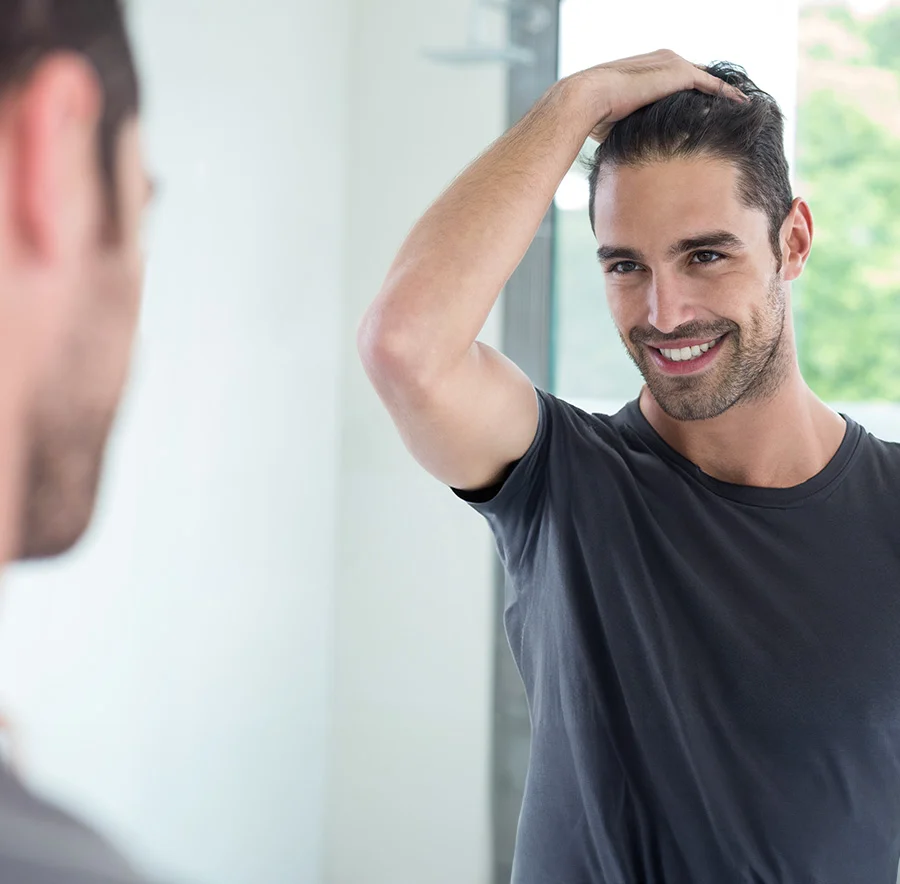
<point>54,521</point>
<point>61,491</point>
<point>50,541</point>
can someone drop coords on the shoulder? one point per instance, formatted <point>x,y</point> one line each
<point>877,424</point>
<point>579,420</point>
<point>580,431</point>
<point>40,843</point>
<point>881,456</point>
<point>875,458</point>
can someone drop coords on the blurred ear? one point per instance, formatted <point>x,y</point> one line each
<point>796,238</point>
<point>57,198</point>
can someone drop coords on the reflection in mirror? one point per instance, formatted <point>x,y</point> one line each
<point>707,668</point>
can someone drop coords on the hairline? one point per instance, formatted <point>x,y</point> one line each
<point>659,157</point>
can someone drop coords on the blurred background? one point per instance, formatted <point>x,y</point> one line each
<point>277,657</point>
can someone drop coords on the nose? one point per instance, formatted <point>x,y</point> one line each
<point>669,304</point>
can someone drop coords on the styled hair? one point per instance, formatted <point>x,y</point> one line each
<point>33,30</point>
<point>692,124</point>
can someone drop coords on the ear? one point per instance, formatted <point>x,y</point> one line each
<point>56,185</point>
<point>796,239</point>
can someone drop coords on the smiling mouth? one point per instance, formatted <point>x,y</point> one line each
<point>688,354</point>
<point>694,357</point>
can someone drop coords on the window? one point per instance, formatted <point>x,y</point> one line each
<point>847,304</point>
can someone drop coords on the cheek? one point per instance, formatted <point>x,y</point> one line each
<point>130,290</point>
<point>117,301</point>
<point>627,306</point>
<point>127,273</point>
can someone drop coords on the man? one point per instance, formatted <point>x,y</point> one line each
<point>72,191</point>
<point>705,587</point>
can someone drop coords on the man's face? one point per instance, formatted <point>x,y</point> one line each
<point>692,285</point>
<point>79,394</point>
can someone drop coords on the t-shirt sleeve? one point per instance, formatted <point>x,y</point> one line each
<point>514,507</point>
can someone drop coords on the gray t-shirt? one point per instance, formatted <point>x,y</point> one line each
<point>712,670</point>
<point>41,844</point>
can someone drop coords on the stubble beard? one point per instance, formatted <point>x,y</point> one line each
<point>752,368</point>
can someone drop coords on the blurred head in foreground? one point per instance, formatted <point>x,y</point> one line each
<point>72,192</point>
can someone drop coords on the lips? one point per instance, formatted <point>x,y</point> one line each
<point>681,343</point>
<point>687,362</point>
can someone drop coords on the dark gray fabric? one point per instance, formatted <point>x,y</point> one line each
<point>713,670</point>
<point>41,844</point>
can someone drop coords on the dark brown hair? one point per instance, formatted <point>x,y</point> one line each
<point>32,30</point>
<point>692,123</point>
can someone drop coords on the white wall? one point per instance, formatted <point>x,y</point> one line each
<point>171,680</point>
<point>174,679</point>
<point>409,795</point>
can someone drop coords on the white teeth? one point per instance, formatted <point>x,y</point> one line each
<point>685,354</point>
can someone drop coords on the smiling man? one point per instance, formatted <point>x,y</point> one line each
<point>704,596</point>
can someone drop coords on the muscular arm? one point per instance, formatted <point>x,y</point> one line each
<point>464,410</point>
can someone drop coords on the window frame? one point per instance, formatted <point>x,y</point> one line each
<point>527,334</point>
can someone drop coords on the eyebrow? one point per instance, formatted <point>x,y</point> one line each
<point>713,239</point>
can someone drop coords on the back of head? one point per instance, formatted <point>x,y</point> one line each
<point>33,30</point>
<point>70,263</point>
<point>692,124</point>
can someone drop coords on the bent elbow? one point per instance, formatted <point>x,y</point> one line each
<point>389,354</point>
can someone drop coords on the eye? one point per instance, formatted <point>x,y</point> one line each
<point>623,267</point>
<point>706,257</point>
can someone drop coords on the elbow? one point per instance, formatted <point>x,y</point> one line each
<point>388,353</point>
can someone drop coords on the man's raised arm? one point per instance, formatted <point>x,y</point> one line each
<point>464,410</point>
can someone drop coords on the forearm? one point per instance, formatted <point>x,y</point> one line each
<point>453,265</point>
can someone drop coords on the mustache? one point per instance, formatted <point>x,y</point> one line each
<point>688,330</point>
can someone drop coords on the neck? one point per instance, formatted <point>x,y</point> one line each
<point>778,442</point>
